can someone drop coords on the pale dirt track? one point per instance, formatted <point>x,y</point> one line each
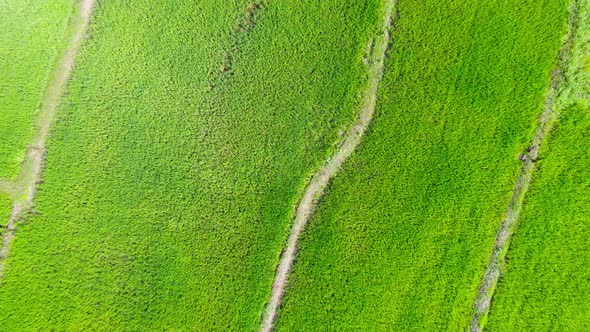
<point>6,187</point>
<point>32,167</point>
<point>321,179</point>
<point>545,124</point>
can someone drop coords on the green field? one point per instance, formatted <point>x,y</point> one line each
<point>189,131</point>
<point>403,235</point>
<point>547,272</point>
<point>186,136</point>
<point>32,36</point>
<point>5,208</point>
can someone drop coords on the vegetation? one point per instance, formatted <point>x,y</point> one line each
<point>32,35</point>
<point>547,272</point>
<point>188,130</point>
<point>404,234</point>
<point>5,209</point>
<point>547,269</point>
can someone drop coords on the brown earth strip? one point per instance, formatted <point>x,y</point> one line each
<point>546,122</point>
<point>32,167</point>
<point>320,180</point>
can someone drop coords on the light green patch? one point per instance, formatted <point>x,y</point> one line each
<point>5,209</point>
<point>32,37</point>
<point>548,266</point>
<point>403,236</point>
<point>187,132</point>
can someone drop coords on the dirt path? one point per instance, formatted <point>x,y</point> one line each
<point>32,167</point>
<point>6,187</point>
<point>545,124</point>
<point>321,179</point>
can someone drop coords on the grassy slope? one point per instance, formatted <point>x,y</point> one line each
<point>547,276</point>
<point>170,182</point>
<point>32,35</point>
<point>403,235</point>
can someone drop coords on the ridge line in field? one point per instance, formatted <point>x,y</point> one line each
<point>32,167</point>
<point>322,177</point>
<point>546,121</point>
<point>6,187</point>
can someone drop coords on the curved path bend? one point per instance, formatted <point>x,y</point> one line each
<point>321,178</point>
<point>545,124</point>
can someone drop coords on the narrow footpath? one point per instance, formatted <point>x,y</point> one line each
<point>320,180</point>
<point>546,122</point>
<point>32,168</point>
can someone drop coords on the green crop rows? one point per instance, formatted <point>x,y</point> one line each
<point>5,208</point>
<point>548,271</point>
<point>186,136</point>
<point>403,236</point>
<point>189,131</point>
<point>32,35</point>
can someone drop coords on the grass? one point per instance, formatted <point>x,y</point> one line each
<point>5,208</point>
<point>547,271</point>
<point>32,36</point>
<point>547,268</point>
<point>404,234</point>
<point>186,136</point>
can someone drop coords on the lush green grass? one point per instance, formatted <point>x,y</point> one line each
<point>547,276</point>
<point>32,36</point>
<point>5,208</point>
<point>403,236</point>
<point>177,156</point>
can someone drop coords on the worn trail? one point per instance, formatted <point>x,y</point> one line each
<point>6,186</point>
<point>320,180</point>
<point>32,167</point>
<point>545,124</point>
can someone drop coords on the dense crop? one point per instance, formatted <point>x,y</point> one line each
<point>403,236</point>
<point>547,274</point>
<point>32,36</point>
<point>188,130</point>
<point>5,208</point>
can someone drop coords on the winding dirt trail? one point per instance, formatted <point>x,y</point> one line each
<point>546,122</point>
<point>32,167</point>
<point>321,179</point>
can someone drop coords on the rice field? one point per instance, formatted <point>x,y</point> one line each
<point>33,34</point>
<point>178,152</point>
<point>191,132</point>
<point>547,268</point>
<point>402,237</point>
<point>5,208</point>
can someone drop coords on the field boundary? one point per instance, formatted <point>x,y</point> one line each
<point>32,167</point>
<point>545,124</point>
<point>6,187</point>
<point>320,180</point>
